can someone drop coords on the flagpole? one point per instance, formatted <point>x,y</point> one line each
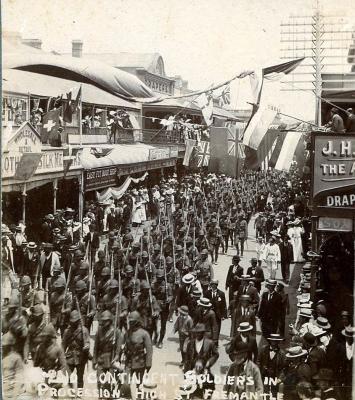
<point>80,116</point>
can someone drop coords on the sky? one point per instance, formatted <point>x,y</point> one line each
<point>204,41</point>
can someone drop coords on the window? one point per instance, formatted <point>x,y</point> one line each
<point>14,109</point>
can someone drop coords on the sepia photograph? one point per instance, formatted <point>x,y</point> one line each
<point>177,199</point>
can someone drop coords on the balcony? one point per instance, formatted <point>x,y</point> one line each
<point>157,136</point>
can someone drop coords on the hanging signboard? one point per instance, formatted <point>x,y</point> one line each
<point>159,153</point>
<point>100,177</point>
<point>333,173</point>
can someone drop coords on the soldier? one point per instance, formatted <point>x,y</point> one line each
<point>27,295</point>
<point>163,293</point>
<point>37,322</point>
<point>204,270</point>
<point>138,348</point>
<point>107,348</point>
<point>181,258</point>
<point>57,274</point>
<point>130,284</point>
<point>12,369</point>
<point>102,286</point>
<point>99,265</point>
<point>83,275</point>
<point>148,267</point>
<point>86,303</point>
<point>127,238</point>
<point>233,279</point>
<point>14,322</point>
<point>147,306</point>
<point>49,355</point>
<point>110,300</point>
<point>60,305</point>
<point>214,238</point>
<point>76,345</point>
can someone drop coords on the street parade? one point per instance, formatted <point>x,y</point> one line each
<point>178,200</point>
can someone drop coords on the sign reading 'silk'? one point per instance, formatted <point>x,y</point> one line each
<point>334,171</point>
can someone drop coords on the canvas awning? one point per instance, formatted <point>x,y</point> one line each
<point>115,81</point>
<point>23,82</point>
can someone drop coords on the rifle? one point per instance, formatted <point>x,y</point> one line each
<point>65,291</point>
<point>91,275</point>
<point>150,292</point>
<point>111,265</point>
<point>114,332</point>
<point>135,279</point>
<point>46,311</point>
<point>82,326</point>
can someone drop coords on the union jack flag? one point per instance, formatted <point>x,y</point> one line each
<point>231,141</point>
<point>225,97</point>
<point>203,153</point>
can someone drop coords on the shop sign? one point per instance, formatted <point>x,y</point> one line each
<point>51,161</point>
<point>174,151</point>
<point>99,178</point>
<point>335,224</point>
<point>159,153</point>
<point>25,140</point>
<point>333,184</point>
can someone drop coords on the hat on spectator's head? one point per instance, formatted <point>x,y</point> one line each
<point>240,348</point>
<point>271,282</point>
<point>296,351</point>
<point>31,245</point>
<point>214,282</point>
<point>236,257</point>
<point>323,323</point>
<point>305,312</point>
<point>50,217</point>
<point>188,278</point>
<point>37,310</point>
<point>310,339</point>
<point>253,260</point>
<point>196,293</point>
<point>204,302</point>
<point>8,339</point>
<point>47,246</point>
<point>184,310</point>
<point>244,327</point>
<point>275,337</point>
<point>349,331</point>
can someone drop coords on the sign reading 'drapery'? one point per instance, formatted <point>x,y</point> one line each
<point>334,171</point>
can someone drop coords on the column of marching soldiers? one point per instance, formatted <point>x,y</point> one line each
<point>135,285</point>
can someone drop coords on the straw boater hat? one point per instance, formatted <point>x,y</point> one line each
<point>323,323</point>
<point>204,302</point>
<point>303,303</point>
<point>31,245</point>
<point>188,278</point>
<point>244,327</point>
<point>271,282</point>
<point>349,331</point>
<point>305,312</point>
<point>296,351</point>
<point>275,337</point>
<point>297,221</point>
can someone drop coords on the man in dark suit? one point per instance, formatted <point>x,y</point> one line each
<point>286,258</point>
<point>247,288</point>
<point>233,280</point>
<point>219,306</point>
<point>111,222</point>
<point>257,273</point>
<point>316,355</point>
<point>269,309</point>
<point>241,311</point>
<point>245,335</point>
<point>201,355</point>
<point>93,240</point>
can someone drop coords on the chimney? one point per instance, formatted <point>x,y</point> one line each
<point>36,43</point>
<point>76,48</point>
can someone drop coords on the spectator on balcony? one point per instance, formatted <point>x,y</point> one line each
<point>350,123</point>
<point>55,138</point>
<point>336,123</point>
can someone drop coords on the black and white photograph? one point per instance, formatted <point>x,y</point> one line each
<point>177,199</point>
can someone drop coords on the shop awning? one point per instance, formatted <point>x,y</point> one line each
<point>113,80</point>
<point>23,82</point>
<point>120,154</point>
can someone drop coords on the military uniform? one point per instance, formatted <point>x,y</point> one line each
<point>76,344</point>
<point>148,310</point>
<point>163,292</point>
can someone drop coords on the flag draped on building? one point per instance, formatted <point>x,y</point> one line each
<point>203,153</point>
<point>50,123</point>
<point>189,146</point>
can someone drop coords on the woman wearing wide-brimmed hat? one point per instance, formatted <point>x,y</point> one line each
<point>295,232</point>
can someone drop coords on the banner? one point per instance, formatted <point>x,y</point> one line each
<point>27,166</point>
<point>118,192</point>
<point>288,150</point>
<point>189,143</point>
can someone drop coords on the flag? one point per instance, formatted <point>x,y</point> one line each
<point>50,123</point>
<point>67,162</point>
<point>205,102</point>
<point>259,125</point>
<point>231,142</point>
<point>189,146</point>
<point>203,153</point>
<point>27,166</point>
<point>71,105</point>
<point>262,108</point>
<point>288,150</point>
<point>225,97</point>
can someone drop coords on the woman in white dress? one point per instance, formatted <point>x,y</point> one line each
<point>136,208</point>
<point>295,231</point>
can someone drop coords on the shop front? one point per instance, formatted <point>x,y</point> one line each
<point>28,196</point>
<point>333,217</point>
